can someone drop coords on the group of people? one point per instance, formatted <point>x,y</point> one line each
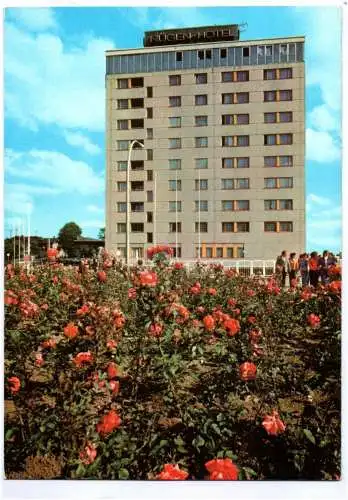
<point>313,268</point>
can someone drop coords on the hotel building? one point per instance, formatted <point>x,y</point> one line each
<point>222,122</point>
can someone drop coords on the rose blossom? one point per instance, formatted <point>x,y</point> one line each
<point>222,469</point>
<point>87,456</point>
<point>108,423</point>
<point>172,473</point>
<point>71,330</point>
<point>273,424</point>
<point>15,384</point>
<point>247,371</point>
<point>313,320</point>
<point>209,322</point>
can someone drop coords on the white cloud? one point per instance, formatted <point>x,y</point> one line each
<point>79,140</point>
<point>37,19</point>
<point>323,118</point>
<point>50,83</point>
<point>95,209</point>
<point>54,170</point>
<point>321,147</point>
<point>18,202</point>
<point>318,200</point>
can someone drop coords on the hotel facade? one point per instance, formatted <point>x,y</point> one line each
<point>222,170</point>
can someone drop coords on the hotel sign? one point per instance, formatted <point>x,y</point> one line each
<point>192,35</point>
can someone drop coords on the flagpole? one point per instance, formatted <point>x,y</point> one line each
<point>14,244</point>
<point>154,208</point>
<point>176,216</point>
<point>199,214</point>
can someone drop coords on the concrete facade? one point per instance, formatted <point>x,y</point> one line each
<point>221,189</point>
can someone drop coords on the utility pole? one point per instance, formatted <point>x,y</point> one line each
<point>176,216</point>
<point>199,214</point>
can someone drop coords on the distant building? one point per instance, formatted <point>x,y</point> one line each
<point>222,121</point>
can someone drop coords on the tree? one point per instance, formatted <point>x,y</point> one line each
<point>67,235</point>
<point>101,234</point>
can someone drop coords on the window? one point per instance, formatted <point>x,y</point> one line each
<point>137,83</point>
<point>122,145</point>
<point>201,142</point>
<point>242,97</point>
<point>174,228</point>
<point>137,123</point>
<point>285,73</point>
<point>201,100</point>
<point>268,50</point>
<point>137,227</point>
<point>227,98</point>
<point>201,163</point>
<point>285,95</point>
<point>174,80</point>
<point>209,252</point>
<point>174,206</point>
<point>208,54</point>
<point>227,140</point>
<point>122,124</point>
<point>227,162</point>
<point>242,227</point>
<point>241,183</point>
<point>136,145</point>
<point>201,78</point>
<point>227,205</point>
<point>174,185</point>
<point>242,205</point>
<point>201,227</point>
<point>285,116</point>
<point>137,206</point>
<point>270,74</point>
<point>122,83</point>
<point>179,56</point>
<point>270,182</point>
<point>270,161</point>
<point>227,119</point>
<point>227,227</point>
<point>149,217</point>
<point>201,54</point>
<point>243,162</point>
<point>285,227</point>
<point>174,101</point>
<point>121,166</point>
<point>150,175</point>
<point>223,53</point>
<point>270,117</point>
<point>270,140</point>
<point>285,204</point>
<point>149,113</point>
<point>174,143</point>
<point>137,165</point>
<point>269,96</point>
<point>261,51</point>
<point>137,103</point>
<point>243,76</point>
<point>219,252</point>
<point>201,205</point>
<point>242,119</point>
<point>122,103</point>
<point>226,183</point>
<point>137,252</point>
<point>122,186</point>
<point>149,196</point>
<point>285,182</point>
<point>201,121</point>
<point>227,76</point>
<point>175,122</point>
<point>121,206</point>
<point>176,252</point>
<point>137,186</point>
<point>285,161</point>
<point>201,184</point>
<point>242,140</point>
<point>121,227</point>
<point>149,133</point>
<point>283,49</point>
<point>149,91</point>
<point>270,227</point>
<point>285,139</point>
<point>174,164</point>
<point>246,51</point>
<point>270,204</point>
<point>150,237</point>
<point>229,253</point>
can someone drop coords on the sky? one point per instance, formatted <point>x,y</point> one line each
<point>54,73</point>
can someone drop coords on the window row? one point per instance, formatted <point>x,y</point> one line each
<point>234,76</point>
<point>228,98</point>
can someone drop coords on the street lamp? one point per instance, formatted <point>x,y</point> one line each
<point>128,196</point>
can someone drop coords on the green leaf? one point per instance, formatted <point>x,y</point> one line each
<point>123,474</point>
<point>198,442</point>
<point>179,441</point>
<point>309,435</point>
<point>181,449</point>
<point>250,471</point>
<point>163,442</point>
<point>9,434</point>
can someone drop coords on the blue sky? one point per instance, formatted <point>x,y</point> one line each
<point>54,106</point>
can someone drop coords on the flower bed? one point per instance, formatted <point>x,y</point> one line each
<point>170,374</point>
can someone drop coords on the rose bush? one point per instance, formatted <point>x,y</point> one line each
<point>170,373</point>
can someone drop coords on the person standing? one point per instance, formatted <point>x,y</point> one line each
<point>313,269</point>
<point>293,268</point>
<point>323,264</point>
<point>304,269</point>
<point>281,267</point>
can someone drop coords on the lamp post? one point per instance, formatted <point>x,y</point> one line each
<point>131,145</point>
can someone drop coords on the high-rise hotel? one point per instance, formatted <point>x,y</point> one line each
<point>221,173</point>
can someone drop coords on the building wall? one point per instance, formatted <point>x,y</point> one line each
<point>257,243</point>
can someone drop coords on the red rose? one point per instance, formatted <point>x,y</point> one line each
<point>313,320</point>
<point>132,293</point>
<point>148,278</point>
<point>71,330</point>
<point>101,275</point>
<point>222,469</point>
<point>251,319</point>
<point>247,371</point>
<point>111,344</point>
<point>119,320</point>
<point>273,424</point>
<point>251,293</point>
<point>87,456</point>
<point>15,384</point>
<point>335,286</point>
<point>212,291</point>
<point>155,329</point>
<point>39,361</point>
<point>10,298</point>
<point>209,323</point>
<point>83,310</point>
<point>109,423</point>
<point>50,343</point>
<point>114,386</point>
<point>172,473</point>
<point>112,370</point>
<point>232,302</point>
<point>195,289</point>
<point>232,326</point>
<point>82,357</point>
<point>178,265</point>
<point>90,330</point>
